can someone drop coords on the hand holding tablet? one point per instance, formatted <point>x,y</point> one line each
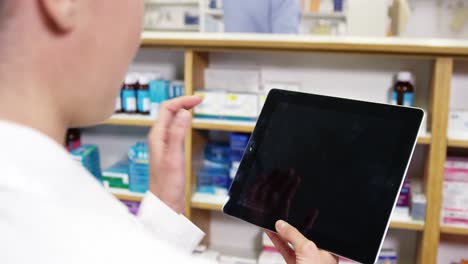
<point>331,167</point>
<point>303,251</point>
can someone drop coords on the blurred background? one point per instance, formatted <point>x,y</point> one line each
<point>372,18</point>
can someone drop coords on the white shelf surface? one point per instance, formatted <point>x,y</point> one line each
<point>204,198</point>
<point>333,15</point>
<point>214,12</point>
<point>405,218</point>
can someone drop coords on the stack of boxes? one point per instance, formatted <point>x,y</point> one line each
<point>213,178</point>
<point>220,165</point>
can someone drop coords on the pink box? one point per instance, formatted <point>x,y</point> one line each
<point>455,196</point>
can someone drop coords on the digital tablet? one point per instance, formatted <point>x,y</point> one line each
<point>331,167</point>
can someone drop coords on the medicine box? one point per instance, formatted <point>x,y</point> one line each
<point>418,206</point>
<point>388,256</point>
<point>138,167</point>
<point>229,106</point>
<point>88,156</point>
<point>455,195</point>
<point>116,176</point>
<point>458,124</point>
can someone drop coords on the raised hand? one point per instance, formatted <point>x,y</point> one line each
<point>166,148</point>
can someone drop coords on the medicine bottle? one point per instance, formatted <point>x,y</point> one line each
<point>143,94</point>
<point>403,91</point>
<point>129,94</point>
<point>118,101</point>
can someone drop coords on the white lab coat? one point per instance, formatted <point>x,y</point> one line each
<point>53,211</point>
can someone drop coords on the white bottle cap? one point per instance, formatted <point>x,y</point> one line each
<point>405,77</point>
<point>131,79</point>
<point>144,79</point>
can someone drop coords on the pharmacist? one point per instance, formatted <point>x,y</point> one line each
<point>262,16</point>
<point>61,66</point>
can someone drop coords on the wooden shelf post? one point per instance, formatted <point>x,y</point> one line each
<point>195,64</point>
<point>438,117</point>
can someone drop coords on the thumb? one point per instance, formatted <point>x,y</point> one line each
<point>304,248</point>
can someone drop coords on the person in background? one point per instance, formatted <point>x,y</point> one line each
<point>262,16</point>
<point>61,66</point>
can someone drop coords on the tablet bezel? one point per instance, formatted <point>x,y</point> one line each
<point>413,116</point>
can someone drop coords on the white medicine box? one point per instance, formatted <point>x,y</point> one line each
<point>458,124</point>
<point>212,104</point>
<point>224,105</point>
<point>241,106</point>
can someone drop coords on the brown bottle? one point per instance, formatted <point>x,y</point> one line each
<point>403,91</point>
<point>129,94</point>
<point>143,95</point>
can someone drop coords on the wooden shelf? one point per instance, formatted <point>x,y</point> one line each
<point>130,120</point>
<point>455,143</point>
<point>304,43</point>
<point>202,124</point>
<point>229,126</point>
<point>407,225</point>
<point>207,206</point>
<point>127,196</point>
<point>334,15</point>
<point>425,140</point>
<point>186,28</point>
<point>454,230</point>
<point>173,2</point>
<point>207,202</point>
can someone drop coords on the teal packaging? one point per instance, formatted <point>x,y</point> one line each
<point>159,92</point>
<point>116,176</point>
<point>88,156</point>
<point>176,89</point>
<point>129,98</point>
<point>138,167</point>
<point>143,104</point>
<point>408,98</point>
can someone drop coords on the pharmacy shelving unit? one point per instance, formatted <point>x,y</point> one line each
<point>442,54</point>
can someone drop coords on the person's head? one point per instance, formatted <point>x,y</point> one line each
<point>77,51</point>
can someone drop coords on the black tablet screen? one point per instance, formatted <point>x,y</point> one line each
<point>331,167</point>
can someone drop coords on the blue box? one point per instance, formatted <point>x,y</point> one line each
<point>88,156</point>
<point>138,168</point>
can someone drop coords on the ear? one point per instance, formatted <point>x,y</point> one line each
<point>63,14</point>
